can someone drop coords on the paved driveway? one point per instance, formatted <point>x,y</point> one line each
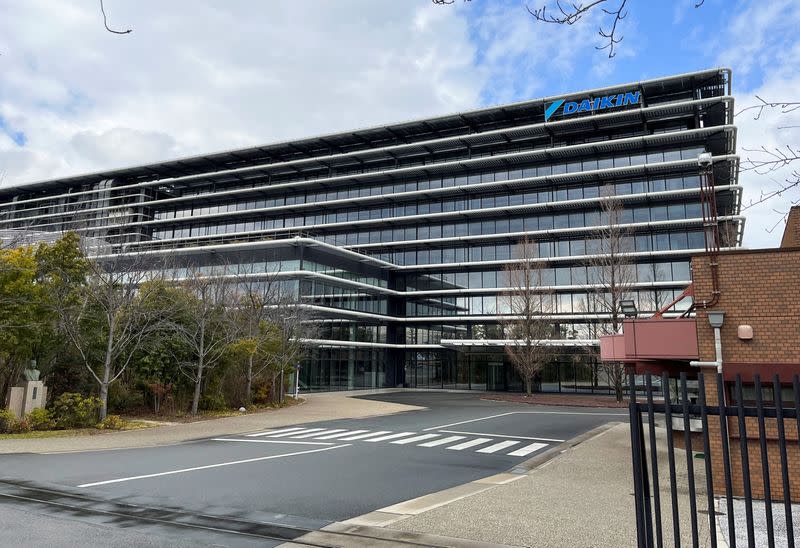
<point>302,476</point>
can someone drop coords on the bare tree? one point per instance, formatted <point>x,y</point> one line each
<point>569,13</point>
<point>110,318</point>
<point>769,161</point>
<point>611,276</point>
<point>205,324</point>
<point>257,295</point>
<point>530,305</point>
<point>292,326</point>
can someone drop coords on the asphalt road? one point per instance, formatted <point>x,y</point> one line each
<point>294,479</point>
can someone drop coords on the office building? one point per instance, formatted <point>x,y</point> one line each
<point>398,236</point>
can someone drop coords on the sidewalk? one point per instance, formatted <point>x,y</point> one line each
<point>582,497</point>
<point>317,407</point>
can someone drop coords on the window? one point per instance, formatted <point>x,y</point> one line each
<point>693,211</point>
<point>696,240</point>
<point>676,211</point>
<point>680,271</point>
<point>475,280</point>
<point>641,215</point>
<point>658,213</point>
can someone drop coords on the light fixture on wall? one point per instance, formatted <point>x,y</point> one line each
<point>628,308</point>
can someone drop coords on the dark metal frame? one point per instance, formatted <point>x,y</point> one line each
<point>645,470</point>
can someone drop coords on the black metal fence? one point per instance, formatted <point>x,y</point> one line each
<point>680,504</point>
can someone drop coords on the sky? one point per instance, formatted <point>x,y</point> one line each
<point>197,76</point>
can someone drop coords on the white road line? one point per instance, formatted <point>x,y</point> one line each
<point>275,441</point>
<point>527,450</point>
<point>363,436</point>
<point>441,441</point>
<point>471,420</point>
<point>231,463</point>
<point>527,413</point>
<point>416,438</point>
<point>468,444</point>
<point>287,434</point>
<point>497,446</point>
<point>392,436</point>
<point>342,434</point>
<point>500,436</point>
<point>268,432</point>
<point>315,434</point>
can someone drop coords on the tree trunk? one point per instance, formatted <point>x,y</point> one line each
<point>199,375</point>
<point>618,386</point>
<point>280,394</point>
<point>249,393</point>
<point>528,386</point>
<point>196,398</point>
<point>107,370</point>
<point>104,399</point>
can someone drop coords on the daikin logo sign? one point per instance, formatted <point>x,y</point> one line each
<point>589,105</point>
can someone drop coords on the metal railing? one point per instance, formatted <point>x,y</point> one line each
<point>730,477</point>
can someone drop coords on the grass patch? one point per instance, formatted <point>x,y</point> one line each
<point>72,432</point>
<point>185,416</point>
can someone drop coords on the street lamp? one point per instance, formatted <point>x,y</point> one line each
<point>628,308</point>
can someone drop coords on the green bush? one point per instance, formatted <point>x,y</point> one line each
<point>213,402</point>
<point>122,399</point>
<point>71,410</point>
<point>7,420</point>
<point>40,419</point>
<point>20,427</point>
<point>112,422</point>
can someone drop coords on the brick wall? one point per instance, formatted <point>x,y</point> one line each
<point>760,289</point>
<point>791,234</point>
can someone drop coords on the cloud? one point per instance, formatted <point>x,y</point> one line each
<point>766,64</point>
<point>523,58</point>
<point>199,76</point>
<point>119,147</point>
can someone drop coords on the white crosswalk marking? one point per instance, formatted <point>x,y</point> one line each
<point>443,441</point>
<point>470,443</point>
<point>322,433</point>
<point>303,431</point>
<point>527,450</point>
<point>268,432</point>
<point>498,446</point>
<point>415,439</point>
<point>392,436</point>
<point>364,436</point>
<point>341,434</point>
<point>408,438</point>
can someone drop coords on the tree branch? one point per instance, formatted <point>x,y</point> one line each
<point>105,22</point>
<point>771,159</point>
<point>784,106</point>
<point>575,12</point>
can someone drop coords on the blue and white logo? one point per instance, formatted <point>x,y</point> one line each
<point>589,105</point>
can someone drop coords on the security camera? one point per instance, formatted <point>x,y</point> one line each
<point>704,159</point>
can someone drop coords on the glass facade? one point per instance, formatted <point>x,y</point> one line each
<point>398,237</point>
